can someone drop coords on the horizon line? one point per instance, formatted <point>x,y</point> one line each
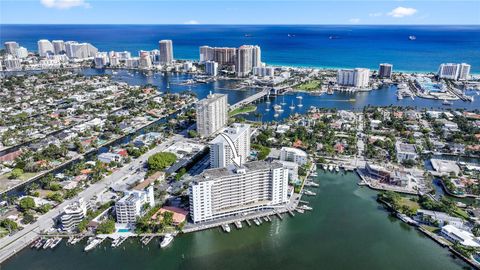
<point>228,24</point>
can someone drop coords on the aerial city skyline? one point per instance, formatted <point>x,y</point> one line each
<point>188,141</point>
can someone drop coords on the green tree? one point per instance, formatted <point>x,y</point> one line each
<point>16,173</point>
<point>160,161</point>
<point>26,203</point>
<point>9,225</point>
<point>106,227</point>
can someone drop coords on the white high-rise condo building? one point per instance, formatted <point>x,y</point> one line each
<point>131,206</point>
<point>101,59</point>
<point>73,214</point>
<point>45,48</point>
<point>11,47</point>
<point>211,68</point>
<point>212,114</point>
<point>145,61</point>
<point>166,51</point>
<point>385,70</point>
<point>58,46</point>
<point>77,50</point>
<point>358,77</point>
<point>21,52</point>
<point>454,71</point>
<point>264,71</point>
<point>231,191</point>
<point>206,54</point>
<point>464,72</point>
<point>221,152</point>
<point>256,56</point>
<point>12,63</point>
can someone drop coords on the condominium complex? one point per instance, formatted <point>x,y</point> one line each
<point>45,48</point>
<point>223,192</point>
<point>131,206</point>
<point>166,51</point>
<point>101,60</point>
<point>264,71</point>
<point>245,58</point>
<point>221,152</point>
<point>358,77</point>
<point>211,68</point>
<point>212,114</point>
<point>385,70</point>
<point>145,61</point>
<point>75,50</point>
<point>293,155</point>
<point>58,46</point>
<point>73,214</point>
<point>11,47</point>
<point>454,71</point>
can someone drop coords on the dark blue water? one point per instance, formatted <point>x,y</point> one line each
<point>339,100</point>
<point>356,46</point>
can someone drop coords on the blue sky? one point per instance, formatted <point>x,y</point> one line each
<point>239,12</point>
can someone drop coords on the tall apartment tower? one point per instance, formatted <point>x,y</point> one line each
<point>358,77</point>
<point>11,47</point>
<point>45,48</point>
<point>166,51</point>
<point>58,46</point>
<point>244,63</point>
<point>385,70</point>
<point>221,152</point>
<point>212,114</point>
<point>224,192</point>
<point>211,68</point>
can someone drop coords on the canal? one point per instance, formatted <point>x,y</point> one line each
<point>347,229</point>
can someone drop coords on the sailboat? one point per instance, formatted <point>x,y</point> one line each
<point>292,107</point>
<point>300,104</point>
<point>283,101</point>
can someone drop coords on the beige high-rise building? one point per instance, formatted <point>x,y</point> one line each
<point>166,51</point>
<point>212,114</point>
<point>221,152</point>
<point>45,48</point>
<point>244,63</point>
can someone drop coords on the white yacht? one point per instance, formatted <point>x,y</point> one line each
<point>238,224</point>
<point>166,240</point>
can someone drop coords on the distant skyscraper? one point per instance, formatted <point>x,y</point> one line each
<point>58,46</point>
<point>225,56</point>
<point>244,63</point>
<point>221,153</point>
<point>101,59</point>
<point>264,71</point>
<point>257,56</point>
<point>145,61</point>
<point>454,71</point>
<point>166,51</point>
<point>206,54</point>
<point>11,47</point>
<point>212,114</point>
<point>385,70</point>
<point>22,52</point>
<point>77,50</point>
<point>358,77</point>
<point>45,48</point>
<point>211,68</point>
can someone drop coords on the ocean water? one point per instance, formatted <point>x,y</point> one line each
<point>308,45</point>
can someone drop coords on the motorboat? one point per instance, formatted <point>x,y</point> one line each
<point>166,240</point>
<point>238,224</point>
<point>412,37</point>
<point>55,242</point>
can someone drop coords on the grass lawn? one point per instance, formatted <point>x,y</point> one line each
<point>245,109</point>
<point>23,177</point>
<point>461,213</point>
<point>406,201</point>
<point>431,229</point>
<point>310,85</point>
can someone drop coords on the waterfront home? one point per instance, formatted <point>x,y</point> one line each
<point>179,215</point>
<point>405,151</point>
<point>460,236</point>
<point>429,217</point>
<point>109,157</point>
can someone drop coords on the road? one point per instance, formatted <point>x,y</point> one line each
<point>11,244</point>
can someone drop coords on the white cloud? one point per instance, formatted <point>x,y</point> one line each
<point>354,20</point>
<point>401,12</point>
<point>376,14</point>
<point>64,4</point>
<point>191,22</point>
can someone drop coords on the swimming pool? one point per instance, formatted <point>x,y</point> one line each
<point>123,230</point>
